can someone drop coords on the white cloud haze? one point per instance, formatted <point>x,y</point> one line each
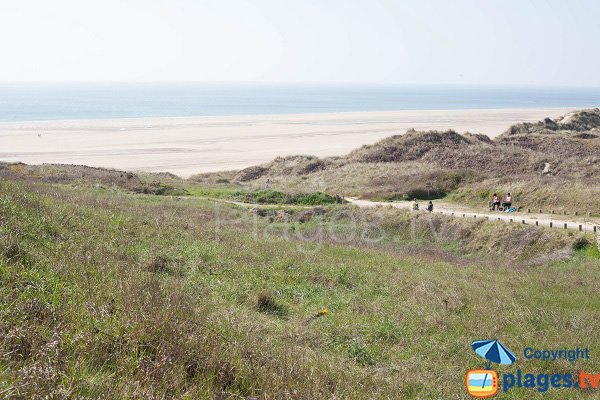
<point>386,41</point>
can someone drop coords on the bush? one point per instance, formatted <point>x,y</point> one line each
<point>455,180</point>
<point>586,247</point>
<point>160,264</point>
<point>305,216</point>
<point>314,199</point>
<point>159,189</point>
<point>581,243</point>
<point>424,194</point>
<point>276,197</point>
<point>266,303</point>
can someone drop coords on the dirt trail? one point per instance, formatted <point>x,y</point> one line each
<point>548,220</point>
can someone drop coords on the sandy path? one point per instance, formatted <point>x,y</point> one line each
<point>548,220</point>
<point>189,145</point>
<point>583,224</point>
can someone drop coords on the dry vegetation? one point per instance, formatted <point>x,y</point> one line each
<point>107,294</point>
<point>552,165</point>
<point>559,159</point>
<point>110,290</point>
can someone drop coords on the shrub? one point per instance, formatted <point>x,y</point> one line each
<point>266,303</point>
<point>159,189</point>
<point>276,197</point>
<point>251,173</point>
<point>160,264</point>
<point>424,194</point>
<point>312,199</point>
<point>581,243</point>
<point>305,216</point>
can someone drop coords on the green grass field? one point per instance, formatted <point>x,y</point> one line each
<point>105,294</point>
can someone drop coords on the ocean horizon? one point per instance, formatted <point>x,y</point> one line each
<point>77,101</point>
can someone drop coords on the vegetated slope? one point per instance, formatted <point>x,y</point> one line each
<point>58,173</point>
<point>108,295</point>
<point>577,121</point>
<point>157,183</point>
<point>552,164</point>
<point>451,151</point>
<point>550,154</point>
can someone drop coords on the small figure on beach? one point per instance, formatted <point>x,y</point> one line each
<point>430,206</point>
<point>414,205</point>
<point>268,184</point>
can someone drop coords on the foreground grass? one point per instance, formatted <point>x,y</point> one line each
<point>106,295</point>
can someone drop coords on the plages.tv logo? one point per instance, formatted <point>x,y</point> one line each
<point>482,383</point>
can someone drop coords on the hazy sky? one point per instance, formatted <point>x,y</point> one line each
<point>551,42</point>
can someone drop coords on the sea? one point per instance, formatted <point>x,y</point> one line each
<point>75,101</point>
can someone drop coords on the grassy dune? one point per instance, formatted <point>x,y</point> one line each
<point>107,294</point>
<point>547,194</point>
<point>552,164</point>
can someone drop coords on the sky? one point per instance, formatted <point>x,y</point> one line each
<point>473,42</point>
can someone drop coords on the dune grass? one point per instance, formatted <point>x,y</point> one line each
<point>109,295</point>
<point>261,196</point>
<point>545,193</point>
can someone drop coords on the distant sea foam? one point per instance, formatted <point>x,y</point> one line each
<point>64,101</point>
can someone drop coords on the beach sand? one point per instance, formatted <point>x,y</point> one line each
<point>189,145</point>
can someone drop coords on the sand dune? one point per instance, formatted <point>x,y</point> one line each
<point>189,145</point>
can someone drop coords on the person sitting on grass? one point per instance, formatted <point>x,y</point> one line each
<point>507,201</point>
<point>495,202</point>
<point>414,205</point>
<point>430,206</point>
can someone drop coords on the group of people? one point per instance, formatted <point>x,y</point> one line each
<point>415,206</point>
<point>496,204</point>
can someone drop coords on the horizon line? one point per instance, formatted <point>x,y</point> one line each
<point>297,83</point>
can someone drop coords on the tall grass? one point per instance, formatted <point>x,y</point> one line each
<point>108,295</point>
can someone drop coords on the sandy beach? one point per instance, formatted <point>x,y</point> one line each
<point>189,145</point>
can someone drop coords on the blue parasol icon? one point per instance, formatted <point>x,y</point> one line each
<point>493,351</point>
